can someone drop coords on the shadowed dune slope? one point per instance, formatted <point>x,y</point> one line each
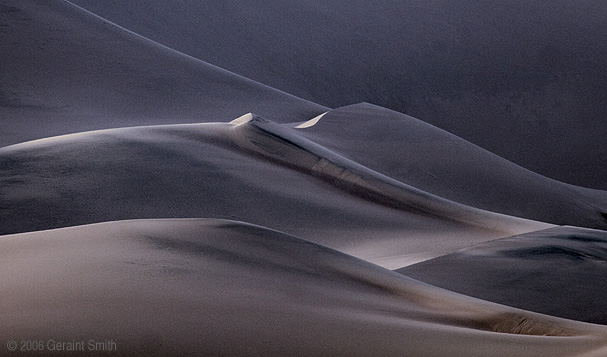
<point>421,155</point>
<point>65,70</point>
<point>215,287</point>
<point>523,79</point>
<point>250,169</point>
<point>559,271</point>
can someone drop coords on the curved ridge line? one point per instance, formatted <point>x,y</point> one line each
<point>356,178</point>
<point>310,123</point>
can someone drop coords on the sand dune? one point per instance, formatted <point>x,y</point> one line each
<point>252,170</point>
<point>286,147</point>
<point>130,230</point>
<point>513,77</point>
<point>426,157</point>
<point>64,70</point>
<point>557,271</point>
<point>215,287</point>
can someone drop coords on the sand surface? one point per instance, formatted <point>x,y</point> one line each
<point>250,169</point>
<point>65,70</point>
<point>557,271</point>
<point>152,203</point>
<point>426,157</point>
<point>521,79</point>
<point>216,287</point>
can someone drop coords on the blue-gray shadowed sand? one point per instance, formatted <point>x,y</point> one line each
<point>65,70</point>
<point>558,271</point>
<point>426,157</point>
<point>523,79</point>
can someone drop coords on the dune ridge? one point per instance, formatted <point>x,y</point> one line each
<point>513,77</point>
<point>251,169</point>
<point>74,71</point>
<point>278,143</point>
<point>431,159</point>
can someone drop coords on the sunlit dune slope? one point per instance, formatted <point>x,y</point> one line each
<point>215,287</point>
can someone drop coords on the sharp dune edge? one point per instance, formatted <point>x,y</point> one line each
<point>426,157</point>
<point>137,212</point>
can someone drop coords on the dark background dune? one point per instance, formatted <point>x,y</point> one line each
<point>433,160</point>
<point>522,79</point>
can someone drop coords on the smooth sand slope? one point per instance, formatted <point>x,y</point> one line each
<point>215,287</point>
<point>250,169</point>
<point>558,271</point>
<point>523,79</point>
<point>423,156</point>
<point>65,70</point>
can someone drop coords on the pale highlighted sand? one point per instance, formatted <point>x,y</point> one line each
<point>310,123</point>
<point>217,287</point>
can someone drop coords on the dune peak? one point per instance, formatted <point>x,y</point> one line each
<point>242,119</point>
<point>311,122</point>
<point>249,117</point>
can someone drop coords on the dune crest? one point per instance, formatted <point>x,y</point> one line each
<point>68,70</point>
<point>513,77</point>
<point>251,169</point>
<point>242,119</point>
<point>310,123</point>
<point>281,144</point>
<point>433,160</point>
